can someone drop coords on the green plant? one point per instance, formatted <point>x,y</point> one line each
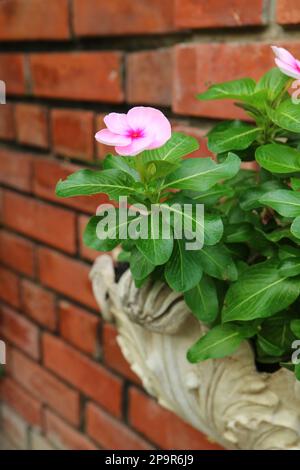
<point>245,281</point>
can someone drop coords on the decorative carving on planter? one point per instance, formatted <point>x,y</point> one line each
<point>227,399</point>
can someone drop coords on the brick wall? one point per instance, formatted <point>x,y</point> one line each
<point>66,63</point>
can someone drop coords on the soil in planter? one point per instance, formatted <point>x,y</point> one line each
<point>270,368</point>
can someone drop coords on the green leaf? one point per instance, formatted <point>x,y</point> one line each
<point>236,135</point>
<point>212,195</point>
<point>295,184</point>
<point>217,262</point>
<point>278,158</point>
<point>295,327</point>
<point>203,300</point>
<point>274,81</point>
<point>156,249</point>
<point>234,89</point>
<point>91,240</point>
<point>178,146</point>
<point>202,173</point>
<point>160,168</point>
<point>220,341</point>
<point>183,270</point>
<point>295,227</point>
<point>237,233</point>
<point>284,201</point>
<point>249,199</point>
<point>115,183</point>
<point>112,162</point>
<point>261,291</point>
<point>211,226</point>
<point>140,266</point>
<point>268,347</point>
<point>290,267</point>
<point>287,116</point>
<point>297,371</point>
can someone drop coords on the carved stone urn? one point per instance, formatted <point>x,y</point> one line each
<point>227,399</point>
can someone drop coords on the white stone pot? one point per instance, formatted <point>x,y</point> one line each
<point>227,399</point>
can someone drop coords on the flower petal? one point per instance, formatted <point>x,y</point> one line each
<point>136,146</point>
<point>109,138</point>
<point>288,70</point>
<point>153,122</point>
<point>284,55</point>
<point>117,123</point>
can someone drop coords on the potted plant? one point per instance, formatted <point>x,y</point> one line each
<point>208,314</point>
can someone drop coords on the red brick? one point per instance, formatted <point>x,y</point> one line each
<point>9,287</point>
<point>113,356</point>
<point>149,77</point>
<point>14,427</point>
<point>7,125</point>
<point>20,331</point>
<point>27,406</point>
<point>48,172</point>
<point>102,17</point>
<point>110,433</point>
<point>163,427</point>
<point>15,169</point>
<point>29,19</point>
<point>91,378</point>
<point>32,125</point>
<point>63,436</point>
<point>199,65</point>
<point>46,388</point>
<point>288,12</point>
<point>90,76</point>
<point>73,133</point>
<point>79,327</point>
<point>38,304</point>
<point>12,73</point>
<point>66,275</point>
<point>218,13</point>
<point>17,253</point>
<point>39,220</point>
<point>199,134</point>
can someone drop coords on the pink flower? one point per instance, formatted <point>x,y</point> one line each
<point>286,62</point>
<point>142,128</point>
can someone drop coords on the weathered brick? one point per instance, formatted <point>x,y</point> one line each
<point>14,427</point>
<point>92,379</point>
<point>73,133</point>
<point>110,433</point>
<point>66,275</point>
<point>48,172</point>
<point>38,303</point>
<point>16,397</point>
<point>28,20</point>
<point>79,327</point>
<point>45,387</point>
<point>15,169</point>
<point>9,287</point>
<point>63,436</point>
<point>218,13</point>
<point>101,17</point>
<point>163,427</point>
<point>32,125</point>
<point>90,76</point>
<point>199,65</point>
<point>12,73</point>
<point>7,125</point>
<point>85,251</point>
<point>149,77</point>
<point>39,220</point>
<point>113,356</point>
<point>17,253</point>
<point>101,149</point>
<point>20,331</point>
<point>288,12</point>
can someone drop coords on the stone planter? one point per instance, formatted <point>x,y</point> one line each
<point>227,399</point>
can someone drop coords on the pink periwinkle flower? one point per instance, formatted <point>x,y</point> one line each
<point>142,128</point>
<point>286,62</point>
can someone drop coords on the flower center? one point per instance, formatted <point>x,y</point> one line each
<point>135,133</point>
